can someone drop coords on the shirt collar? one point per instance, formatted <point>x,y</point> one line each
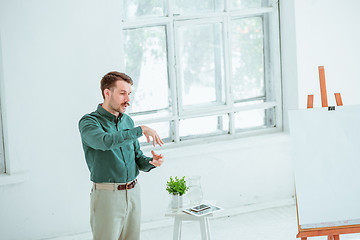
<point>108,115</point>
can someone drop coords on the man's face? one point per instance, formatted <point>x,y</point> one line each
<point>119,96</point>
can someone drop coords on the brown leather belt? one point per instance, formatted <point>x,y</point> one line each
<point>115,186</point>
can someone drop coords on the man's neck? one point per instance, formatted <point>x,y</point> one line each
<point>110,110</point>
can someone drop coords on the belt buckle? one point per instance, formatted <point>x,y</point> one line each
<point>133,182</point>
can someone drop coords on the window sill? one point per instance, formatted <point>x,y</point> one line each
<point>14,178</point>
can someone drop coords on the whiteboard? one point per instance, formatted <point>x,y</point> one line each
<point>326,160</point>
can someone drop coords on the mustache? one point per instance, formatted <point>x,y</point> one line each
<point>127,104</point>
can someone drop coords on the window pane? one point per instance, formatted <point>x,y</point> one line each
<point>163,130</point>
<point>212,125</point>
<point>258,118</point>
<point>201,63</point>
<point>247,58</point>
<point>143,8</point>
<point>146,63</point>
<point>239,4</point>
<point>197,6</point>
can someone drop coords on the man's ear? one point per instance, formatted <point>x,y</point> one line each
<point>107,92</point>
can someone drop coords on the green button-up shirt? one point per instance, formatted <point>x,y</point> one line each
<point>111,148</point>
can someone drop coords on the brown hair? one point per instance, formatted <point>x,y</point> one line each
<point>109,80</point>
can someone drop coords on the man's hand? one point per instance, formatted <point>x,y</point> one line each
<point>149,132</point>
<point>157,159</point>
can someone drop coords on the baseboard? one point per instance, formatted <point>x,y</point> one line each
<point>169,222</point>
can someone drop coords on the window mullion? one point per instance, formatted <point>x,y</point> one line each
<point>227,74</point>
<point>177,69</point>
<point>178,85</point>
<point>275,66</point>
<point>174,125</point>
<point>219,87</point>
<point>267,66</point>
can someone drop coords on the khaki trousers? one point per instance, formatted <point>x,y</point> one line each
<point>115,215</point>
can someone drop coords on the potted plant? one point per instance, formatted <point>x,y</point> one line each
<point>176,188</point>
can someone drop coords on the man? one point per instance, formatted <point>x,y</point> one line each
<point>114,158</point>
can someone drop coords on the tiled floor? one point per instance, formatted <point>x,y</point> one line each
<point>270,224</point>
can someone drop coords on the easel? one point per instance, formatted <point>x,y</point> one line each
<point>324,102</point>
<point>331,232</point>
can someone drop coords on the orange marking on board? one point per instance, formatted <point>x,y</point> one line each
<point>310,101</point>
<point>324,101</point>
<point>338,99</point>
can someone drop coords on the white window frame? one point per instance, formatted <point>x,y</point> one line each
<point>272,73</point>
<point>2,147</point>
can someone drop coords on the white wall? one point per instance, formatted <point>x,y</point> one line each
<point>54,54</point>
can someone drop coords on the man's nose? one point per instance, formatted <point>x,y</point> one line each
<point>127,98</point>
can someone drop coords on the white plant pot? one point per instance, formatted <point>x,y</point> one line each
<point>176,202</point>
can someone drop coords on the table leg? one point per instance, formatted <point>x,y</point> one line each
<point>177,229</point>
<point>203,228</point>
<point>208,227</point>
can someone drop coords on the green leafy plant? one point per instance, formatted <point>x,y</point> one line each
<point>176,186</point>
